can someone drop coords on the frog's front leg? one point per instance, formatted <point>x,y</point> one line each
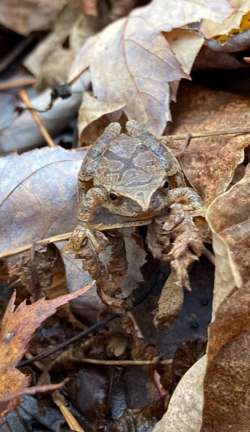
<point>174,237</point>
<point>188,198</point>
<point>84,232</point>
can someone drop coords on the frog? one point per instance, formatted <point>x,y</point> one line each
<point>126,181</point>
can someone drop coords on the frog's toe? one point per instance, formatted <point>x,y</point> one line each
<point>134,128</point>
<point>112,130</point>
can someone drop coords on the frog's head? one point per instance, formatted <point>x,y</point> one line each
<point>134,181</point>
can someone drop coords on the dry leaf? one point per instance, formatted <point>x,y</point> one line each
<point>170,301</point>
<point>89,7</point>
<point>91,110</point>
<point>51,60</point>
<point>29,15</point>
<point>17,328</point>
<point>233,22</point>
<point>209,163</point>
<point>185,406</point>
<point>226,372</point>
<point>121,58</point>
<point>227,379</point>
<point>88,306</point>
<point>37,195</point>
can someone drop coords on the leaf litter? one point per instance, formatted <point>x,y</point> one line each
<point>162,367</point>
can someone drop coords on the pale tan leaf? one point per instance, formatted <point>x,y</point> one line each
<point>179,39</point>
<point>121,58</point>
<point>184,412</point>
<point>29,15</point>
<point>51,59</point>
<point>239,8</point>
<point>91,110</point>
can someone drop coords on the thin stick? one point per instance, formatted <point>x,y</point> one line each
<point>191,136</point>
<point>24,248</point>
<point>25,98</point>
<point>68,342</point>
<point>125,362</point>
<point>15,83</point>
<point>68,416</point>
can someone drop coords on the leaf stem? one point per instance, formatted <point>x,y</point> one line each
<point>24,248</point>
<point>26,100</point>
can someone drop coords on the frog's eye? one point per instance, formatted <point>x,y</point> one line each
<point>165,184</point>
<point>114,197</point>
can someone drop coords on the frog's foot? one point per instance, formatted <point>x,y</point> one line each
<point>82,235</point>
<point>186,248</point>
<point>112,131</point>
<point>188,198</point>
<point>134,128</point>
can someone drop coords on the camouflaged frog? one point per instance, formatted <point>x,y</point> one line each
<point>126,181</point>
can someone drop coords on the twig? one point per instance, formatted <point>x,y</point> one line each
<point>25,98</point>
<point>68,416</point>
<point>125,362</point>
<point>68,342</point>
<point>191,136</point>
<point>24,248</point>
<point>15,83</point>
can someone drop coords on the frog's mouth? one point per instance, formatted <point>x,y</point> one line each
<point>107,221</point>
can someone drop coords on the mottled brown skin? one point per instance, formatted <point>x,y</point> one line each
<point>126,180</point>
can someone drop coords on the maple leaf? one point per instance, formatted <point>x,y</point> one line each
<point>17,328</point>
<point>132,63</point>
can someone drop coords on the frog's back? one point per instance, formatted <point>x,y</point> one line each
<point>128,162</point>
